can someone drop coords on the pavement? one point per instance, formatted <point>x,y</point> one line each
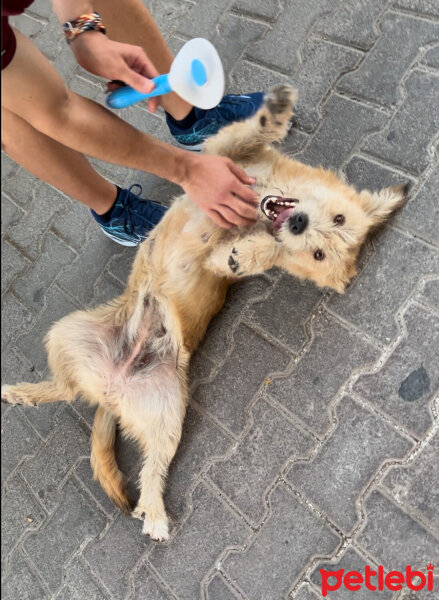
<point>311,439</point>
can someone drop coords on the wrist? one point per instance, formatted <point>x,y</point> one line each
<point>184,165</point>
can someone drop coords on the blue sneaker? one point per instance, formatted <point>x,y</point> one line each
<point>208,122</point>
<point>131,219</point>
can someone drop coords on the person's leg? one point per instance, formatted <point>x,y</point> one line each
<point>129,21</point>
<point>67,170</point>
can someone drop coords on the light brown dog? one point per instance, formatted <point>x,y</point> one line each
<point>130,356</point>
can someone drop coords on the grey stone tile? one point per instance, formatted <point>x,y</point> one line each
<point>115,554</point>
<point>19,440</point>
<point>84,473</point>
<point>348,460</point>
<point>79,583</point>
<point>29,26</point>
<point>430,293</point>
<point>216,341</point>
<point>15,318</point>
<point>42,419</point>
<point>259,8</point>
<point>305,592</point>
<point>431,57</point>
<point>21,582</point>
<point>275,559</point>
<point>200,443</point>
<point>65,63</point>
<point>72,225</point>
<point>120,264</point>
<point>416,120</point>
<point>10,214</point>
<point>107,289</point>
<point>15,368</point>
<point>169,13</point>
<point>58,304</point>
<point>184,563</point>
<point>13,264</point>
<point>249,77</point>
<point>20,513</point>
<point>366,175</point>
<point>345,123</point>
<point>353,21</point>
<point>424,7</point>
<point>218,589</point>
<point>332,357</point>
<point>373,299</point>
<point>21,187</point>
<point>9,167</point>
<point>409,379</point>
<point>200,367</point>
<point>295,301</point>
<point>246,475</point>
<point>44,473</point>
<point>379,75</point>
<point>321,66</point>
<point>350,561</point>
<point>54,257</point>
<point>74,521</point>
<point>49,40</point>
<point>41,8</point>
<point>227,396</point>
<point>202,18</point>
<point>416,485</point>
<point>421,214</point>
<point>294,24</point>
<point>146,586</point>
<point>393,537</point>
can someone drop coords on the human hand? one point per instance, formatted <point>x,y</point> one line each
<point>221,189</point>
<point>101,56</point>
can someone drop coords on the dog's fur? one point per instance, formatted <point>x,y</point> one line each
<point>130,356</point>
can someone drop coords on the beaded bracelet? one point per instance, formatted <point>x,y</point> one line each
<point>87,22</point>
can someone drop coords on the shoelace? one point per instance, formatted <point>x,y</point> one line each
<point>128,223</point>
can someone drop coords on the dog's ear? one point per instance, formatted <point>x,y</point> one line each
<point>380,205</point>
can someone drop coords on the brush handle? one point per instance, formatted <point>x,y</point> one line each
<point>126,96</point>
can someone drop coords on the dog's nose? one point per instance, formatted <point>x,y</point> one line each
<point>298,223</point>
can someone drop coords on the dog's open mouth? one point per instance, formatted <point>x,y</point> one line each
<point>278,209</point>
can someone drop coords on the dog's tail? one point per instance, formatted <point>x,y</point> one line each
<point>103,459</point>
<point>35,393</point>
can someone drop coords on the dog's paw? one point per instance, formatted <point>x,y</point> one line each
<point>280,100</point>
<point>157,530</point>
<point>9,396</point>
<point>233,263</point>
<point>276,114</point>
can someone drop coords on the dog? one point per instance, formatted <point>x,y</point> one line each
<point>130,356</point>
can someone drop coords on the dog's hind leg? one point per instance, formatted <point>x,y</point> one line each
<point>33,394</point>
<point>103,459</point>
<point>244,140</point>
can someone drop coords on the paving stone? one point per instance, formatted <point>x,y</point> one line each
<point>416,485</point>
<point>10,214</point>
<point>116,553</point>
<point>426,7</point>
<point>353,22</point>
<point>50,39</point>
<point>380,73</point>
<point>79,583</point>
<point>295,301</point>
<point>65,63</point>
<point>29,231</point>
<point>321,66</point>
<point>294,24</point>
<point>295,141</point>
<point>238,380</point>
<point>259,8</point>
<point>373,298</point>
<point>183,563</point>
<point>200,367</point>
<point>217,339</point>
<point>347,461</point>
<point>15,367</point>
<point>201,442</point>
<point>350,561</point>
<point>120,264</point>
<point>83,273</point>
<point>332,357</point>
<point>42,420</point>
<point>169,13</point>
<point>45,472</point>
<point>21,582</point>
<point>31,344</point>
<point>219,590</point>
<point>84,473</point>
<point>72,225</point>
<point>251,77</point>
<point>275,559</point>
<point>85,87</point>
<point>54,257</point>
<point>41,8</point>
<point>409,379</point>
<point>107,289</point>
<point>17,318</point>
<point>20,513</point>
<point>21,187</point>
<point>305,592</point>
<point>202,18</point>
<point>74,521</point>
<point>345,123</point>
<point>146,586</point>
<point>246,475</point>
<point>9,167</point>
<point>393,537</point>
<point>430,293</point>
<point>367,175</point>
<point>417,119</point>
<point>13,264</point>
<point>431,57</point>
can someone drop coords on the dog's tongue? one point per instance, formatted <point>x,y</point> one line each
<point>282,217</point>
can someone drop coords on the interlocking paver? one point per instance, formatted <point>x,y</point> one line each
<point>365,174</point>
<point>11,213</point>
<point>424,7</point>
<point>409,380</point>
<point>271,564</point>
<point>349,459</point>
<point>79,584</point>
<point>431,57</point>
<point>19,441</point>
<point>219,590</point>
<point>305,592</point>
<point>430,293</point>
<point>13,264</point>
<point>21,581</point>
<point>316,378</point>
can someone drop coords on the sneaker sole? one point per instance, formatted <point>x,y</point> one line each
<point>119,241</point>
<point>194,148</point>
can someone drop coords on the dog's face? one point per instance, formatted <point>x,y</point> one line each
<point>322,224</point>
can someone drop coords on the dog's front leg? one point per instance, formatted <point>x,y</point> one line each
<point>249,255</point>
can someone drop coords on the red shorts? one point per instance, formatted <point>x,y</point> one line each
<point>9,43</point>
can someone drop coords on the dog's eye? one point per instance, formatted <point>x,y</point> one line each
<point>319,254</point>
<point>339,219</point>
